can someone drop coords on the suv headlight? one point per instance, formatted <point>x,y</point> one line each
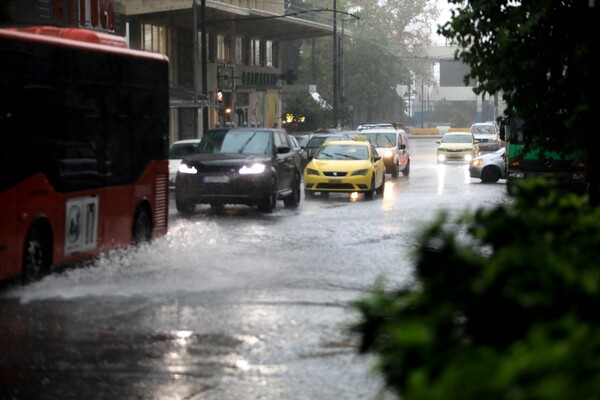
<point>187,169</point>
<point>257,168</point>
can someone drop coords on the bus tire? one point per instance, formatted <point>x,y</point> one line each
<point>37,255</point>
<point>142,227</point>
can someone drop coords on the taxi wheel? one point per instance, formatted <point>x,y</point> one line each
<point>382,187</point>
<point>371,193</point>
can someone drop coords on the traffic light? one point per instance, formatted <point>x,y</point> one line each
<point>219,98</point>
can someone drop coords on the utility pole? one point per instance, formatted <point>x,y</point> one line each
<point>195,69</point>
<point>335,64</point>
<point>422,101</point>
<point>204,65</point>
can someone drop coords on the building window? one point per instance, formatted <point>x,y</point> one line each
<point>154,38</point>
<point>255,52</point>
<point>239,50</point>
<point>221,48</point>
<point>208,52</point>
<point>269,53</point>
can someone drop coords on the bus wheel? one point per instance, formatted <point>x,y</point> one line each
<point>142,227</point>
<point>36,260</point>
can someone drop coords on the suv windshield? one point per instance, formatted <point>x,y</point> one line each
<point>457,139</point>
<point>483,130</point>
<point>381,139</point>
<point>236,141</point>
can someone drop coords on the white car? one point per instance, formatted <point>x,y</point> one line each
<point>177,151</point>
<point>392,146</point>
<point>487,134</point>
<point>489,167</point>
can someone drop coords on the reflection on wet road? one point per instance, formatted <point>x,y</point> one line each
<point>238,305</point>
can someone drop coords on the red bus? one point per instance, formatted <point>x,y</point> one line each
<point>83,147</point>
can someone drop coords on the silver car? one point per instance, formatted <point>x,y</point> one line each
<point>488,135</point>
<point>177,151</point>
<point>489,167</point>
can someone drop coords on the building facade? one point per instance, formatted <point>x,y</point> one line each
<point>225,58</point>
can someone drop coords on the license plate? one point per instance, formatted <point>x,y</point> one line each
<point>548,174</point>
<point>216,179</point>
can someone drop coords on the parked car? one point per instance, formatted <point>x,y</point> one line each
<point>317,139</point>
<point>489,167</point>
<point>177,151</point>
<point>457,146</point>
<point>345,166</point>
<point>488,135</point>
<point>252,166</point>
<point>392,146</point>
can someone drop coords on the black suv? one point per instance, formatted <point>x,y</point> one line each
<point>252,166</point>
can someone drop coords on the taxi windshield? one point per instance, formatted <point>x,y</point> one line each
<point>342,152</point>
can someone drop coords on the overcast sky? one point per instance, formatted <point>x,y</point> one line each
<point>444,16</point>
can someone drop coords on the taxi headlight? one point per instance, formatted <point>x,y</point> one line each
<point>257,168</point>
<point>360,172</point>
<point>310,171</point>
<point>187,169</point>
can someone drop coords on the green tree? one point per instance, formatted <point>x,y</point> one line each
<point>503,306</point>
<point>314,116</point>
<point>503,301</point>
<point>542,57</point>
<point>457,114</point>
<point>384,47</point>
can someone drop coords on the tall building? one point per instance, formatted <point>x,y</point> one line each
<point>225,58</point>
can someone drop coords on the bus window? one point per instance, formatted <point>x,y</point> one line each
<point>84,156</point>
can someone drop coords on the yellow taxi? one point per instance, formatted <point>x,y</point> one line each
<point>345,166</point>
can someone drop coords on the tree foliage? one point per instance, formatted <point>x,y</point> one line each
<point>456,114</point>
<point>541,55</point>
<point>504,305</point>
<point>382,44</point>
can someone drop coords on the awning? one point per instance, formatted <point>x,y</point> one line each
<point>182,97</point>
<point>313,93</point>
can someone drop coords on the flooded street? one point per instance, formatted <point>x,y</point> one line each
<point>239,305</point>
